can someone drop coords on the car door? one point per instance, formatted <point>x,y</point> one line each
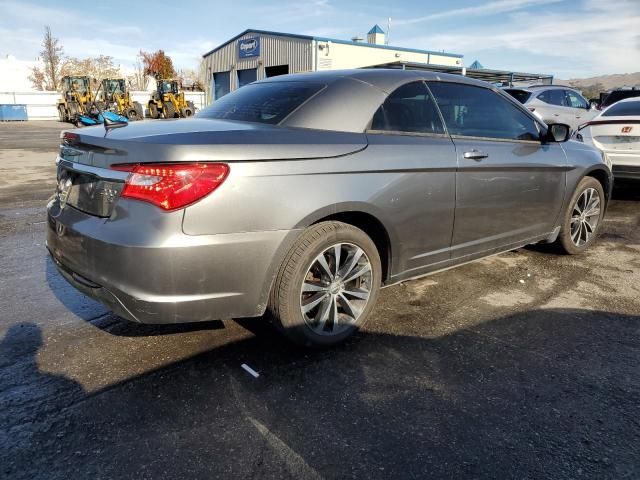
<point>407,141</point>
<point>580,109</point>
<point>552,106</point>
<point>509,184</point>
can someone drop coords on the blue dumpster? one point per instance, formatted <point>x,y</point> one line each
<point>13,113</point>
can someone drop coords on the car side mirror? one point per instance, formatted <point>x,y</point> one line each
<point>558,132</point>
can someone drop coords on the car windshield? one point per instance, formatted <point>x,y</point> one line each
<point>521,95</point>
<point>262,102</point>
<point>623,109</point>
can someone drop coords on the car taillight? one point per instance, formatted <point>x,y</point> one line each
<point>69,138</point>
<point>171,186</point>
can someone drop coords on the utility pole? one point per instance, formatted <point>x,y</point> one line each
<point>388,30</point>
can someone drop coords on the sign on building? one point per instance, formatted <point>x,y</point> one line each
<point>249,47</point>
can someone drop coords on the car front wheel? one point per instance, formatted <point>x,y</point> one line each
<point>583,217</point>
<point>327,285</point>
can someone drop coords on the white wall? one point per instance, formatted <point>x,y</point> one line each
<point>42,105</point>
<point>14,74</point>
<point>335,56</point>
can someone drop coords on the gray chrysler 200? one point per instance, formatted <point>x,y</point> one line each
<point>300,196</point>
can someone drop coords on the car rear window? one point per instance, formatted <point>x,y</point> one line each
<point>521,95</point>
<point>623,109</point>
<point>262,102</point>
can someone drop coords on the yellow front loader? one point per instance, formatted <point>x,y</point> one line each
<point>117,98</point>
<point>76,99</point>
<point>169,102</point>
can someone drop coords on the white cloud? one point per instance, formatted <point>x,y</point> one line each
<point>597,38</point>
<point>488,8</point>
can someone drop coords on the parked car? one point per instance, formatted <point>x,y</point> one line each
<point>609,98</point>
<point>555,104</point>
<point>301,195</point>
<point>616,132</point>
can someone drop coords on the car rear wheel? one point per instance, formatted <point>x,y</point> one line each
<point>583,217</point>
<point>327,285</point>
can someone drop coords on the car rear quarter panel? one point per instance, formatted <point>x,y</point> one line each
<point>408,186</point>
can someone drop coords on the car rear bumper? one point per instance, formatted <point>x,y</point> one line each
<point>184,279</point>
<point>625,165</point>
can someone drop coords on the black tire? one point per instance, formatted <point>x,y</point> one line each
<point>62,114</point>
<point>153,110</point>
<point>169,110</point>
<point>587,227</point>
<point>139,111</point>
<point>191,106</point>
<point>187,112</point>
<point>132,114</point>
<point>74,109</point>
<point>287,296</point>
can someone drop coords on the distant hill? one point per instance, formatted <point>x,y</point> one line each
<point>607,81</point>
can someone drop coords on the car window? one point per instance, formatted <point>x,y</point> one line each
<point>261,102</point>
<point>521,95</point>
<point>575,100</point>
<point>623,109</point>
<point>553,97</point>
<point>410,108</point>
<point>481,112</point>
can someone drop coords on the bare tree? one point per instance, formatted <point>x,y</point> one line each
<point>48,78</point>
<point>138,80</point>
<point>98,68</point>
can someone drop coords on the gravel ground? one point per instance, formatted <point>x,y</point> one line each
<point>523,365</point>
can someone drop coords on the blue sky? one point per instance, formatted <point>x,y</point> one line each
<point>567,38</point>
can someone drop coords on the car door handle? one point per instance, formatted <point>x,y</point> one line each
<point>556,114</point>
<point>475,155</point>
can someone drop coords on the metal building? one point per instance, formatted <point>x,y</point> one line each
<point>257,54</point>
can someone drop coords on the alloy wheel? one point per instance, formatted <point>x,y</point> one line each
<point>585,217</point>
<point>336,289</point>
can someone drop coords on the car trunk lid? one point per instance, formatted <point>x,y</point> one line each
<point>87,182</point>
<point>616,134</point>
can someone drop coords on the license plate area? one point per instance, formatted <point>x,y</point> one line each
<point>87,192</point>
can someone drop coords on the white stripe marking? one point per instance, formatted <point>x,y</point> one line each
<point>250,370</point>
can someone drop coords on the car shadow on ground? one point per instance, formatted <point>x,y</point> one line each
<point>537,394</point>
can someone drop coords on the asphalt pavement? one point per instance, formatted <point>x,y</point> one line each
<point>524,365</point>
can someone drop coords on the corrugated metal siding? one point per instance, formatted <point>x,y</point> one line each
<point>274,50</point>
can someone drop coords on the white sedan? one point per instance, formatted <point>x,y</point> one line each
<point>616,132</point>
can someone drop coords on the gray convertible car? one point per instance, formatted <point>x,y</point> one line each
<point>300,196</point>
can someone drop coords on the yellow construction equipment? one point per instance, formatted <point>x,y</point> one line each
<point>77,98</point>
<point>168,102</point>
<point>117,98</point>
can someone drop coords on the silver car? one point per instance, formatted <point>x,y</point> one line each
<point>555,104</point>
<point>300,196</point>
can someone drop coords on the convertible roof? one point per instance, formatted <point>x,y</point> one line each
<point>383,79</point>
